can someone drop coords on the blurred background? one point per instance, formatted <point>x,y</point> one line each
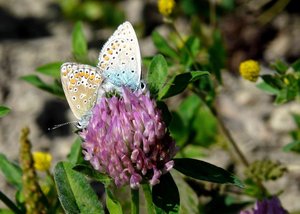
<point>34,33</point>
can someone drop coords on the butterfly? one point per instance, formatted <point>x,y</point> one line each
<point>119,66</point>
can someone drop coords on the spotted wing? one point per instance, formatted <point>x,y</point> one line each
<point>80,84</point>
<point>120,58</point>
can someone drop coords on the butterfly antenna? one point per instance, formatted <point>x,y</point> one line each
<point>60,125</point>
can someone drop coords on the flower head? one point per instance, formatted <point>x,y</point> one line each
<point>165,7</point>
<point>267,206</point>
<point>127,139</point>
<point>42,160</point>
<point>249,70</point>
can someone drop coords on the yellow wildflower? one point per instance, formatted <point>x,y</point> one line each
<point>42,160</point>
<point>165,7</point>
<point>249,70</point>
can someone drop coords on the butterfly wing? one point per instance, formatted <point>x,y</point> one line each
<point>120,58</point>
<point>80,84</point>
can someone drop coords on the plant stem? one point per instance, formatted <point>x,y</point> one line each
<point>230,139</point>
<point>134,201</point>
<point>268,15</point>
<point>224,129</point>
<point>9,203</point>
<point>212,14</point>
<point>148,197</point>
<point>228,135</point>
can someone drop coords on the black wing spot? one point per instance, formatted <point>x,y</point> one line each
<point>132,71</point>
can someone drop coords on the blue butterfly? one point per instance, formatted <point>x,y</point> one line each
<point>119,66</point>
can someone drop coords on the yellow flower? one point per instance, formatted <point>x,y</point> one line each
<point>249,70</point>
<point>42,161</point>
<point>165,7</point>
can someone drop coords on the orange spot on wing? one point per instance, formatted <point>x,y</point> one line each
<point>72,81</point>
<point>92,77</point>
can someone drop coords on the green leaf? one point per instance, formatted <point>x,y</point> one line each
<point>189,201</point>
<point>79,44</point>
<point>292,147</point>
<point>282,96</point>
<point>179,83</point>
<point>74,192</point>
<point>180,126</point>
<point>90,172</point>
<point>112,204</point>
<point>162,45</point>
<point>296,65</point>
<point>148,198</point>
<point>165,195</point>
<point>206,122</point>
<point>179,129</point>
<point>217,55</point>
<point>296,118</point>
<point>280,67</point>
<point>189,107</point>
<point>158,72</point>
<point>11,171</point>
<point>4,111</point>
<point>7,211</point>
<point>205,171</point>
<point>190,51</point>
<point>75,155</point>
<point>273,81</point>
<point>165,112</point>
<point>51,69</point>
<point>37,82</point>
<point>267,88</point>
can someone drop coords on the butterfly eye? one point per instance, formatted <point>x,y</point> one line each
<point>143,86</point>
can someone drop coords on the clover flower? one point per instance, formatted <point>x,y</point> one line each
<point>42,161</point>
<point>249,70</point>
<point>127,139</point>
<point>165,7</point>
<point>267,206</point>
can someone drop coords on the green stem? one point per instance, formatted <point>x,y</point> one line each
<point>268,15</point>
<point>134,201</point>
<point>9,203</point>
<point>148,197</point>
<point>171,23</point>
<point>212,14</point>
<point>230,138</point>
<point>224,129</point>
